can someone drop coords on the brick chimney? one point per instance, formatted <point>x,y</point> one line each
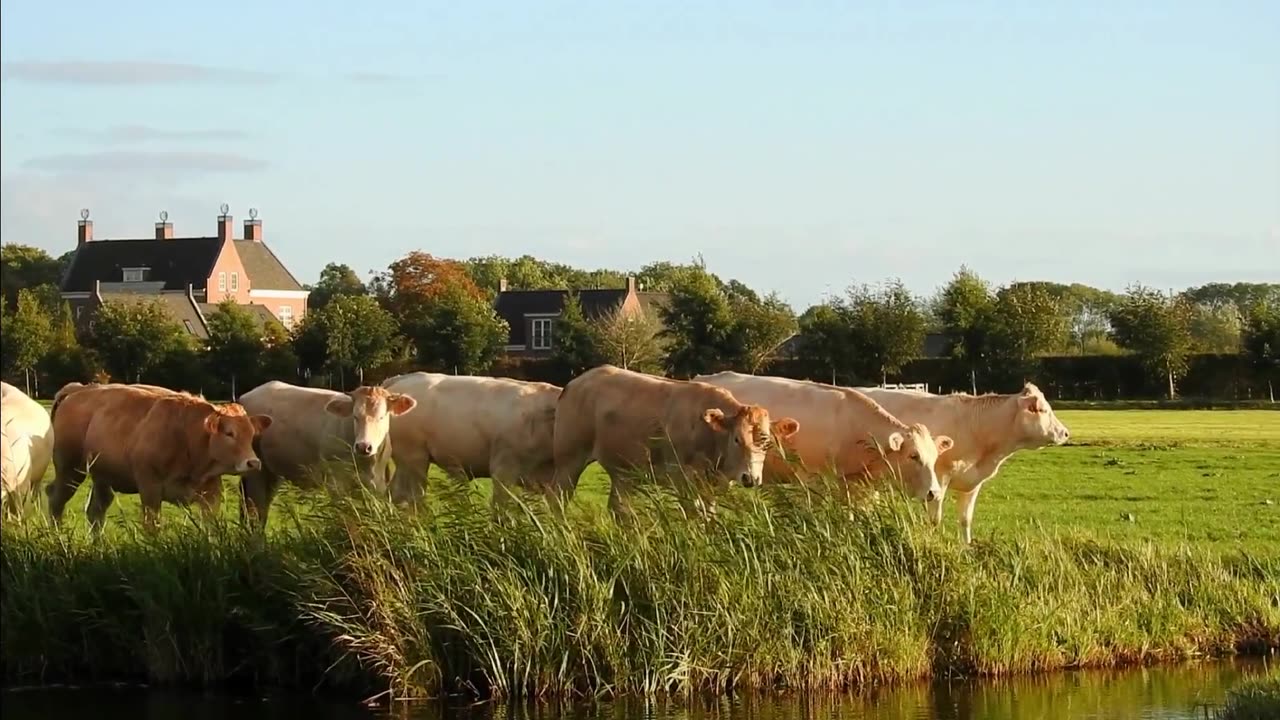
<point>225,227</point>
<point>164,228</point>
<point>631,284</point>
<point>84,232</point>
<point>253,226</point>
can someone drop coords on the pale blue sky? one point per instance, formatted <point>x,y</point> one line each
<point>799,146</point>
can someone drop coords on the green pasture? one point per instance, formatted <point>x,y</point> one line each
<point>1197,476</point>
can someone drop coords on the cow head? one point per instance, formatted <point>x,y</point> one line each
<point>231,434</point>
<point>371,408</point>
<point>1035,424</point>
<point>743,438</point>
<point>913,453</point>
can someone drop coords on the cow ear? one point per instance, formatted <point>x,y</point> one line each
<point>944,443</point>
<point>213,423</point>
<point>340,406</point>
<point>1033,403</point>
<point>399,404</point>
<point>715,418</point>
<point>785,427</point>
<point>260,422</point>
<point>895,441</point>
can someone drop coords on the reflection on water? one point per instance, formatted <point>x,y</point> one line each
<point>1165,693</point>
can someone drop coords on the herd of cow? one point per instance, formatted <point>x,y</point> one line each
<point>166,445</point>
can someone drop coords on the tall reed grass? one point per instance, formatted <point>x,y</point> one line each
<point>785,588</point>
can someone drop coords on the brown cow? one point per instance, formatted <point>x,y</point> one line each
<point>629,421</point>
<point>165,447</point>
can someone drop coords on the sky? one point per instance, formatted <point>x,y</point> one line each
<point>798,146</point>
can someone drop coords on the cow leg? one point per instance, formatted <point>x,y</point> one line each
<point>620,492</point>
<point>67,479</point>
<point>409,481</point>
<point>101,495</point>
<point>506,478</point>
<point>151,495</point>
<point>964,503</point>
<point>934,506</point>
<point>210,498</point>
<point>568,467</point>
<point>257,489</point>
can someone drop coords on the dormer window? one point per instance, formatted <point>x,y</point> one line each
<point>134,274</point>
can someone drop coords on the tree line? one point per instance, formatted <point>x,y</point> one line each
<point>435,313</point>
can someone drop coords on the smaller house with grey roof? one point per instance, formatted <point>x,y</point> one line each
<point>189,275</point>
<point>531,314</point>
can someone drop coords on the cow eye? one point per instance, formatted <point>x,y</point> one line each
<point>915,456</point>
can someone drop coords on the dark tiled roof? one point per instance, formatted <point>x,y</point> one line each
<point>177,263</point>
<point>650,302</point>
<point>264,269</point>
<point>183,310</point>
<point>514,305</point>
<point>261,313</point>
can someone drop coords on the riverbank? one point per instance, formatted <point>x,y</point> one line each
<point>784,590</point>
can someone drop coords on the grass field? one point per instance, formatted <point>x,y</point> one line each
<point>783,590</point>
<point>1200,476</point>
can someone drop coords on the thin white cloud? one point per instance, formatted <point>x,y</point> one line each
<point>82,72</point>
<point>120,134</point>
<point>132,161</point>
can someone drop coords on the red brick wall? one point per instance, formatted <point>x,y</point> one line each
<point>229,262</point>
<point>298,305</point>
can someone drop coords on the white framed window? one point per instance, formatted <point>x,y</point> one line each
<point>286,315</point>
<point>541,333</point>
<point>190,329</point>
<point>222,282</point>
<point>235,281</point>
<point>134,274</point>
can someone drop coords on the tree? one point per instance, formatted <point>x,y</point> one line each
<point>1026,322</point>
<point>26,336</point>
<point>760,326</point>
<point>66,360</point>
<point>335,279</point>
<point>965,308</point>
<point>236,345</point>
<point>24,266</point>
<point>574,341</point>
<point>134,338</point>
<point>458,332</point>
<point>826,336</point>
<point>886,328</point>
<point>1216,328</point>
<point>630,340</point>
<point>1260,339</point>
<point>1158,329</point>
<point>350,333</point>
<point>698,324</point>
<point>418,279</point>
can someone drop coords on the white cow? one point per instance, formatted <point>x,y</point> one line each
<point>844,430</point>
<point>315,433</point>
<point>987,430</point>
<point>471,427</point>
<point>26,447</point>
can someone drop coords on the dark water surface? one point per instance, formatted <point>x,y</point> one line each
<point>1164,693</point>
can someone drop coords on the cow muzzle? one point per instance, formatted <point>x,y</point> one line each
<point>363,448</point>
<point>249,465</point>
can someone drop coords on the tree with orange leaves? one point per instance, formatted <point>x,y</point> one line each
<point>419,278</point>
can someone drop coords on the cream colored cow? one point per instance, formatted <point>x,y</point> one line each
<point>318,434</point>
<point>987,430</point>
<point>630,421</point>
<point>26,447</point>
<point>844,431</point>
<point>473,426</point>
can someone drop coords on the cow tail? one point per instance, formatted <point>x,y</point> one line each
<point>61,395</point>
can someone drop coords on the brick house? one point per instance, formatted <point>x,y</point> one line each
<point>189,275</point>
<point>531,314</point>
